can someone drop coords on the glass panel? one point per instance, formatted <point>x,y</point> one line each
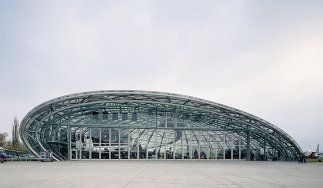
<point>195,150</point>
<point>73,144</point>
<point>161,144</point>
<point>95,134</point>
<point>151,143</point>
<point>142,143</point>
<point>195,144</point>
<point>220,142</point>
<point>74,154</point>
<point>104,151</point>
<point>114,150</point>
<point>105,135</point>
<point>124,144</point>
<point>133,144</point>
<point>178,152</point>
<point>213,145</point>
<point>86,143</point>
<point>243,152</point>
<point>203,152</point>
<point>186,144</point>
<point>95,151</point>
<point>114,144</point>
<point>228,141</point>
<point>85,154</point>
<point>236,152</point>
<point>169,143</point>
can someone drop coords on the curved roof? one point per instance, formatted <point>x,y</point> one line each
<point>205,115</point>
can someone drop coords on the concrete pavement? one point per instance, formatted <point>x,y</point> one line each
<point>141,174</point>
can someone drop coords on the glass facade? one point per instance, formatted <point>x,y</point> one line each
<point>143,125</point>
<point>115,143</point>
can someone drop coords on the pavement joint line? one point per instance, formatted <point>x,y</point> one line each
<point>136,176</point>
<point>209,177</point>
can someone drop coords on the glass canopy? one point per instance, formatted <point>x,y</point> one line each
<point>107,125</point>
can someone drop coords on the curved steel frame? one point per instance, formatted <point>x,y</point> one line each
<point>60,123</point>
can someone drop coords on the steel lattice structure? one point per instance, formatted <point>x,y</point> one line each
<point>150,125</point>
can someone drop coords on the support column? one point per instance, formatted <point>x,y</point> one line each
<point>175,125</point>
<point>100,144</point>
<point>156,153</point>
<point>174,144</point>
<point>182,144</point>
<point>166,120</point>
<point>147,135</point>
<point>216,145</point>
<point>138,143</point>
<point>90,144</point>
<point>119,143</point>
<point>165,139</point>
<point>191,141</point>
<point>128,144</point>
<point>199,146</point>
<point>232,145</point>
<point>110,143</point>
<point>279,151</point>
<point>239,144</point>
<point>223,144</point>
<point>265,153</point>
<point>81,143</point>
<point>208,145</point>
<point>248,145</point>
<point>156,122</point>
<point>69,142</point>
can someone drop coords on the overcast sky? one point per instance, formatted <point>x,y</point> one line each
<point>262,57</point>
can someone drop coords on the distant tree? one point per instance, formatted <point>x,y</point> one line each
<point>24,149</point>
<point>3,139</point>
<point>15,134</point>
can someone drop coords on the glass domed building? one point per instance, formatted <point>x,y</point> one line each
<point>146,125</point>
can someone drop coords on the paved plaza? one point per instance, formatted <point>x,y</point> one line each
<point>160,174</point>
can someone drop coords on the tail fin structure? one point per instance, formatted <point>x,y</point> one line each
<point>318,148</point>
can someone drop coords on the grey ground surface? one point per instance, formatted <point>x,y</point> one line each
<point>160,174</point>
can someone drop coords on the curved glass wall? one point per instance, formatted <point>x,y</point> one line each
<point>108,125</point>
